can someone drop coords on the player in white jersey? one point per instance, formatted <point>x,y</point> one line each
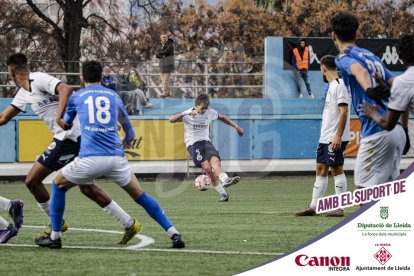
<point>402,91</point>
<point>15,210</point>
<point>48,97</point>
<point>197,122</point>
<point>333,140</point>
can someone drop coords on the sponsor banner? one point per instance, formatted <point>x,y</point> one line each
<point>155,140</point>
<point>374,240</point>
<point>355,133</point>
<point>385,49</point>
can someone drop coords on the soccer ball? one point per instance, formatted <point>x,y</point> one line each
<point>202,182</point>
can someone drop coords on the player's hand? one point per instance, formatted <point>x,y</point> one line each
<point>63,124</point>
<point>367,110</point>
<point>240,131</point>
<point>126,145</point>
<point>407,142</point>
<point>336,143</point>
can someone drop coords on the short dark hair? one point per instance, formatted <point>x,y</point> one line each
<point>405,49</point>
<point>345,25</point>
<point>329,62</point>
<point>202,98</point>
<point>17,61</point>
<point>91,71</point>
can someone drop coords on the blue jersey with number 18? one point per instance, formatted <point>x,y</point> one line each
<point>99,109</point>
<point>374,66</point>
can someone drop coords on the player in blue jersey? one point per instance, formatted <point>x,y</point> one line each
<point>101,153</point>
<point>380,151</point>
<point>48,96</point>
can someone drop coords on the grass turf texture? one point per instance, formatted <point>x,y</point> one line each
<point>258,218</point>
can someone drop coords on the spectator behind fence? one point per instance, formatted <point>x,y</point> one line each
<point>300,61</point>
<point>107,80</point>
<point>165,54</point>
<point>122,88</point>
<point>136,87</point>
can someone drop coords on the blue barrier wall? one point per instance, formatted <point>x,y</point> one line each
<point>273,128</point>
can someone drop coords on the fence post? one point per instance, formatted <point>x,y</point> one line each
<point>206,77</point>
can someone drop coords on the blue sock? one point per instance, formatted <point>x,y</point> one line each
<point>57,207</point>
<point>154,210</point>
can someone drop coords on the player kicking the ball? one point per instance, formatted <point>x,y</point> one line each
<point>197,122</point>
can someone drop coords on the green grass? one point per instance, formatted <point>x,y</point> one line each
<point>258,218</point>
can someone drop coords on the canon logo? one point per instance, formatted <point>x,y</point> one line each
<point>303,260</point>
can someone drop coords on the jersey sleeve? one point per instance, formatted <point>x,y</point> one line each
<point>47,83</point>
<point>344,63</point>
<point>213,114</point>
<point>71,112</point>
<point>400,98</point>
<point>123,119</point>
<point>19,101</point>
<point>342,96</point>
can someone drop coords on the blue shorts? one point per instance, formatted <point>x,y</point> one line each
<point>201,151</point>
<point>332,158</point>
<point>59,153</point>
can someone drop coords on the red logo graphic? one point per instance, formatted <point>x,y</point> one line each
<point>383,255</point>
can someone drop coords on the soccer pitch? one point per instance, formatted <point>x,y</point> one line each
<point>257,225</point>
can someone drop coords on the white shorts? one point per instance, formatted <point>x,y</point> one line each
<point>85,170</point>
<point>379,157</point>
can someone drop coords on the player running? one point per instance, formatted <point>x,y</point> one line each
<point>380,151</point>
<point>333,140</point>
<point>101,153</point>
<point>197,122</point>
<point>48,97</point>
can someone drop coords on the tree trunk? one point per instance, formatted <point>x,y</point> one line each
<point>72,28</point>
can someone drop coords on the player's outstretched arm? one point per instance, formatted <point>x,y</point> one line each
<point>126,125</point>
<point>8,114</point>
<point>66,122</point>
<point>178,117</point>
<point>64,91</point>
<point>387,122</point>
<point>229,122</point>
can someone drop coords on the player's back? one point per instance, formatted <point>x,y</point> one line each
<point>374,66</point>
<point>98,110</point>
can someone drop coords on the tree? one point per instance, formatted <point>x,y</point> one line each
<point>60,33</point>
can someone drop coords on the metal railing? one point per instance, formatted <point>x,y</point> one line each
<point>194,82</point>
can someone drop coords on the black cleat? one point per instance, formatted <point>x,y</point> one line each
<point>177,241</point>
<point>46,241</point>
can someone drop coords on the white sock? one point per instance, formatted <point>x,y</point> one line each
<point>340,184</point>
<point>220,189</point>
<point>223,176</point>
<point>5,203</point>
<point>319,189</point>
<point>114,210</point>
<point>3,223</point>
<point>45,207</point>
<point>172,231</point>
<point>55,235</point>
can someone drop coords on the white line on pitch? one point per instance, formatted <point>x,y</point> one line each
<point>154,250</point>
<point>145,241</point>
